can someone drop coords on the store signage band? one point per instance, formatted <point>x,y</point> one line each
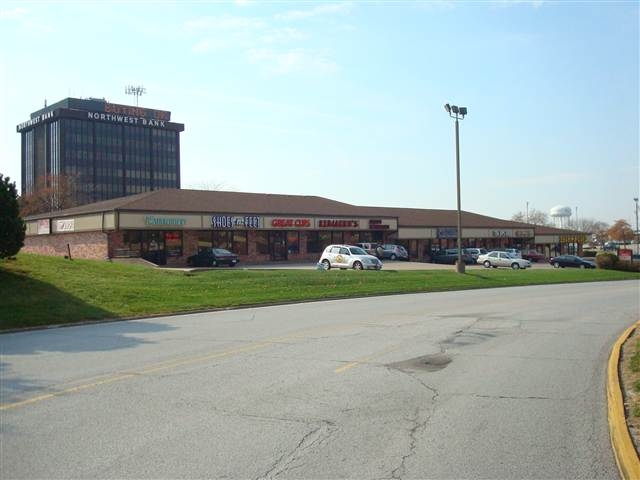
<point>162,221</point>
<point>291,222</point>
<point>447,232</point>
<point>65,225</point>
<point>338,223</point>
<point>231,221</point>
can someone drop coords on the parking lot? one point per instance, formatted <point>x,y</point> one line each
<point>387,265</point>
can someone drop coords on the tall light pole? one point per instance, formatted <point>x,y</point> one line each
<point>458,113</point>
<point>637,231</point>
<point>527,212</point>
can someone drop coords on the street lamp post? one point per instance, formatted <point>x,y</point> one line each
<point>458,113</point>
<point>637,231</point>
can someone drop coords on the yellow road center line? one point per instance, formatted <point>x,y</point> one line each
<point>166,365</point>
<point>366,359</point>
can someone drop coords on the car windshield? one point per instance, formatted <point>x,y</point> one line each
<point>358,251</point>
<point>221,251</point>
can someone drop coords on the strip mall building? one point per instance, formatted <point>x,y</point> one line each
<point>167,226</point>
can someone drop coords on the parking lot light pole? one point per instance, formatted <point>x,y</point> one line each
<point>637,230</point>
<point>458,113</point>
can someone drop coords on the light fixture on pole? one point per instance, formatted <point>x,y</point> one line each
<point>137,91</point>
<point>458,113</point>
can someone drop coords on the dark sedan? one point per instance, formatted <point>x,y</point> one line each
<point>571,261</point>
<point>213,257</point>
<point>450,256</point>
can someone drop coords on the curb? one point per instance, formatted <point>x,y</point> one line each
<point>623,448</point>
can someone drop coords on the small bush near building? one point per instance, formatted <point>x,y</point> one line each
<point>610,261</point>
<point>628,265</point>
<point>606,260</point>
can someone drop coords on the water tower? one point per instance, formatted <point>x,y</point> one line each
<point>560,215</point>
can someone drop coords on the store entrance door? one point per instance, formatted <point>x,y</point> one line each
<point>278,242</point>
<point>153,248</point>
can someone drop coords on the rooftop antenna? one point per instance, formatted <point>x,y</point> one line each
<point>137,91</point>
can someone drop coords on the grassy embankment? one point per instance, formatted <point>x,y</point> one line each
<point>39,290</point>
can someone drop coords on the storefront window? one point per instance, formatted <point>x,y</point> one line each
<point>133,241</point>
<point>240,242</point>
<point>337,237</point>
<point>223,239</point>
<point>293,242</point>
<point>313,242</point>
<point>204,240</point>
<point>262,242</point>
<point>173,243</point>
<point>324,239</point>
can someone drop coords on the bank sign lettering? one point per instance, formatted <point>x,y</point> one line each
<point>230,221</point>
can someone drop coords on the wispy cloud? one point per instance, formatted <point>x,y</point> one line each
<point>320,10</point>
<point>296,60</point>
<point>225,22</point>
<point>17,12</point>
<point>555,179</point>
<point>508,3</point>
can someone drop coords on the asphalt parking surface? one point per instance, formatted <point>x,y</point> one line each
<point>387,265</point>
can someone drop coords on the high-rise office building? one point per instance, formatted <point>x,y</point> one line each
<point>104,150</point>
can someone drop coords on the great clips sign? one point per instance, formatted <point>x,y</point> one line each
<point>291,223</point>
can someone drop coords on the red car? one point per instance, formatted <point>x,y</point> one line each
<point>533,256</point>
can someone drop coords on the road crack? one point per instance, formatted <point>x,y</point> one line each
<point>420,420</point>
<point>316,437</point>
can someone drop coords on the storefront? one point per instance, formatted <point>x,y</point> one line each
<point>167,226</point>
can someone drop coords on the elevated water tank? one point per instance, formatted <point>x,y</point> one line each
<point>560,215</point>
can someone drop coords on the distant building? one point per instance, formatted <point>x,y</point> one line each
<point>107,150</point>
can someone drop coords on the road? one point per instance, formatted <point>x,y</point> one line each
<point>503,383</point>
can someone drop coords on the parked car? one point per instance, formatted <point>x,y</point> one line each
<point>450,256</point>
<point>213,257</point>
<point>348,256</point>
<point>532,256</point>
<point>394,252</point>
<point>571,261</point>
<point>514,252</point>
<point>503,259</point>
<point>370,248</point>
<point>474,252</point>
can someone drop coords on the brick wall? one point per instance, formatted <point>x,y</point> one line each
<point>82,245</point>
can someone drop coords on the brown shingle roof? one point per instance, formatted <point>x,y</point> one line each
<point>201,201</point>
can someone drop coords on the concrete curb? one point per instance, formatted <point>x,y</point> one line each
<point>623,448</point>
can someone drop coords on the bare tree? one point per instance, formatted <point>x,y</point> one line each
<point>536,217</point>
<point>52,192</point>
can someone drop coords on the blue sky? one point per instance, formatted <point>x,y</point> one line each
<point>345,99</point>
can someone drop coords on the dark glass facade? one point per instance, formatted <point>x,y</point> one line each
<point>105,150</point>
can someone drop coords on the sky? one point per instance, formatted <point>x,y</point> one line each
<point>344,100</point>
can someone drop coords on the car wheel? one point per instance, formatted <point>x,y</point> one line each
<point>326,264</point>
<point>214,263</point>
<point>393,256</point>
<point>556,265</point>
<point>515,266</point>
<point>487,264</point>
<point>357,266</point>
<point>582,266</point>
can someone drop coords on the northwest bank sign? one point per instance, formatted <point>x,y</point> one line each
<point>110,113</point>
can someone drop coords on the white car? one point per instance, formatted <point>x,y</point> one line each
<point>502,259</point>
<point>348,256</point>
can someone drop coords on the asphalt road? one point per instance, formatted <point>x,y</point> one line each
<point>504,383</point>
